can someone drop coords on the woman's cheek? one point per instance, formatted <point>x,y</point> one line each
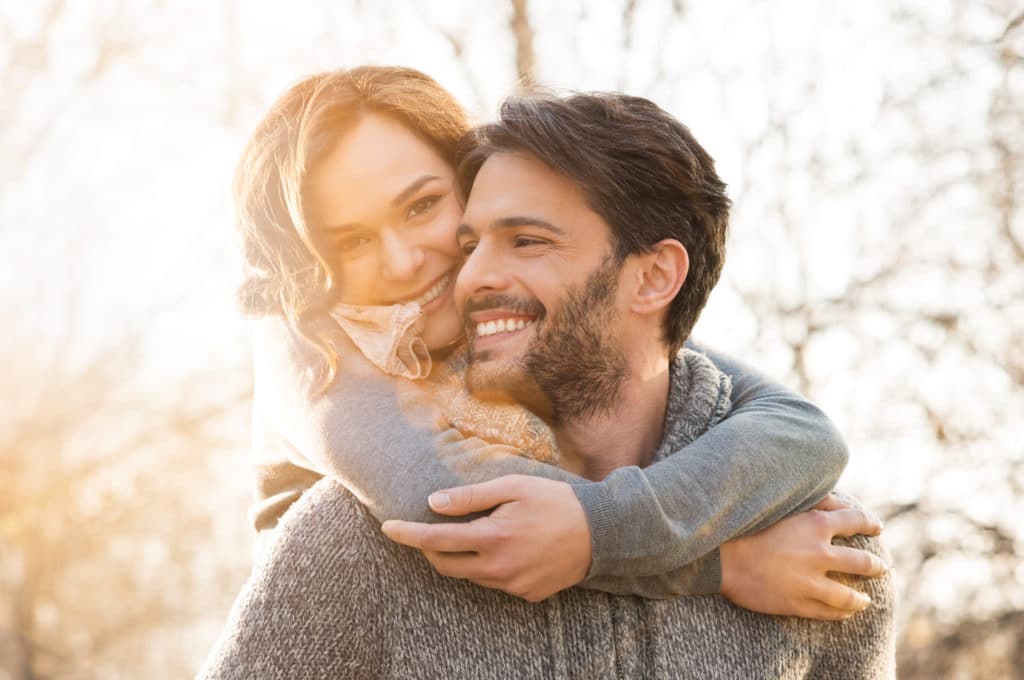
<point>357,279</point>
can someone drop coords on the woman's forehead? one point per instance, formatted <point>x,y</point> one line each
<point>368,169</point>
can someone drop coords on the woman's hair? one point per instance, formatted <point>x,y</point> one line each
<point>286,272</point>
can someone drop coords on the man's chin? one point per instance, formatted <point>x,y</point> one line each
<point>505,382</point>
<point>491,380</point>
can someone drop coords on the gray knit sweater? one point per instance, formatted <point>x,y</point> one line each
<point>331,597</point>
<point>774,454</point>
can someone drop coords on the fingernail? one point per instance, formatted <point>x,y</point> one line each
<point>439,500</point>
<point>865,601</point>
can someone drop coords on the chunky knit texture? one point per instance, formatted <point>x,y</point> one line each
<point>331,597</point>
<point>774,454</point>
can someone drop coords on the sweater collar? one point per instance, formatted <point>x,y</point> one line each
<point>698,398</point>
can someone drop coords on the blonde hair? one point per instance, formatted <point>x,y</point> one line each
<point>286,272</point>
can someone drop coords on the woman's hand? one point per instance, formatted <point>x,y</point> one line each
<point>534,543</point>
<point>783,570</point>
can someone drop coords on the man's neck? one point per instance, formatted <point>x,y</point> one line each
<point>627,433</point>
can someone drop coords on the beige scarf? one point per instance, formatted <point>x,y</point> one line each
<point>388,336</point>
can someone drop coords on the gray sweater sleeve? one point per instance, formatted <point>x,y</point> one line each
<point>655,531</point>
<point>774,454</point>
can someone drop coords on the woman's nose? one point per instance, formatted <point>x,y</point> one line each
<point>401,258</point>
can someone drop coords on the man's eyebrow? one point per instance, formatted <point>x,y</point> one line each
<point>525,221</point>
<point>413,187</point>
<point>513,222</point>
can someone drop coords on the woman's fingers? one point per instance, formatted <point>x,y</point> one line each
<point>837,596</point>
<point>449,537</point>
<point>463,500</point>
<point>848,560</point>
<point>830,502</point>
<point>815,609</point>
<point>853,521</point>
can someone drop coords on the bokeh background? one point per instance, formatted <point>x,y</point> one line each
<point>875,153</point>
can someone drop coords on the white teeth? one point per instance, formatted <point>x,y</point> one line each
<point>434,291</point>
<point>485,328</point>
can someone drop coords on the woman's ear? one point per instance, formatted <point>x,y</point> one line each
<point>660,274</point>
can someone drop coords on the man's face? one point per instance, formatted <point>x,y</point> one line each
<point>539,292</point>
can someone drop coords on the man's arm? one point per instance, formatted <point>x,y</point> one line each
<point>313,606</point>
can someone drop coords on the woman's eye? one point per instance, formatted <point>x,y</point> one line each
<point>467,248</point>
<point>352,243</point>
<point>422,205</point>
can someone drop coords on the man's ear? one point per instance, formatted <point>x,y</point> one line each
<point>660,274</point>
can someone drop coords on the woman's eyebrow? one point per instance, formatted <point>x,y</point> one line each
<point>402,196</point>
<point>413,187</point>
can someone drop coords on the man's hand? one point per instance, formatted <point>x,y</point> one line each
<point>783,569</point>
<point>535,543</point>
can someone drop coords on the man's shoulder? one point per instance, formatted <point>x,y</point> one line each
<point>327,527</point>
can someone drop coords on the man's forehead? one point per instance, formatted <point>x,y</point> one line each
<point>513,183</point>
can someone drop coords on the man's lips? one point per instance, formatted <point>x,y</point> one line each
<point>485,315</point>
<point>501,326</point>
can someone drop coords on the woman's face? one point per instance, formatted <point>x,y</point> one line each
<point>384,206</point>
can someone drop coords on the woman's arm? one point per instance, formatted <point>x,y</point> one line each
<point>773,455</point>
<point>379,437</point>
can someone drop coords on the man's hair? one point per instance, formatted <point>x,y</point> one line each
<point>639,168</point>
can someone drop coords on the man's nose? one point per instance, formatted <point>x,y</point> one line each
<point>482,272</point>
<point>402,259</point>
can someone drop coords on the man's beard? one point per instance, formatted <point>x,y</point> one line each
<point>573,368</point>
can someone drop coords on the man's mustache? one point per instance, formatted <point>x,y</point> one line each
<point>506,302</point>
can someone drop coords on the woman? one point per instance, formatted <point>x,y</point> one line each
<point>347,206</point>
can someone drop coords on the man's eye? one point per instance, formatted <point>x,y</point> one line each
<point>422,205</point>
<point>467,247</point>
<point>527,241</point>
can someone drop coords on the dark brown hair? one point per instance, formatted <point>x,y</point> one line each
<point>286,272</point>
<point>639,168</point>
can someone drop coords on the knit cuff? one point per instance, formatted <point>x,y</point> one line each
<point>709,574</point>
<point>605,539</point>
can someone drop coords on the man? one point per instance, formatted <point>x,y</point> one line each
<point>599,222</point>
